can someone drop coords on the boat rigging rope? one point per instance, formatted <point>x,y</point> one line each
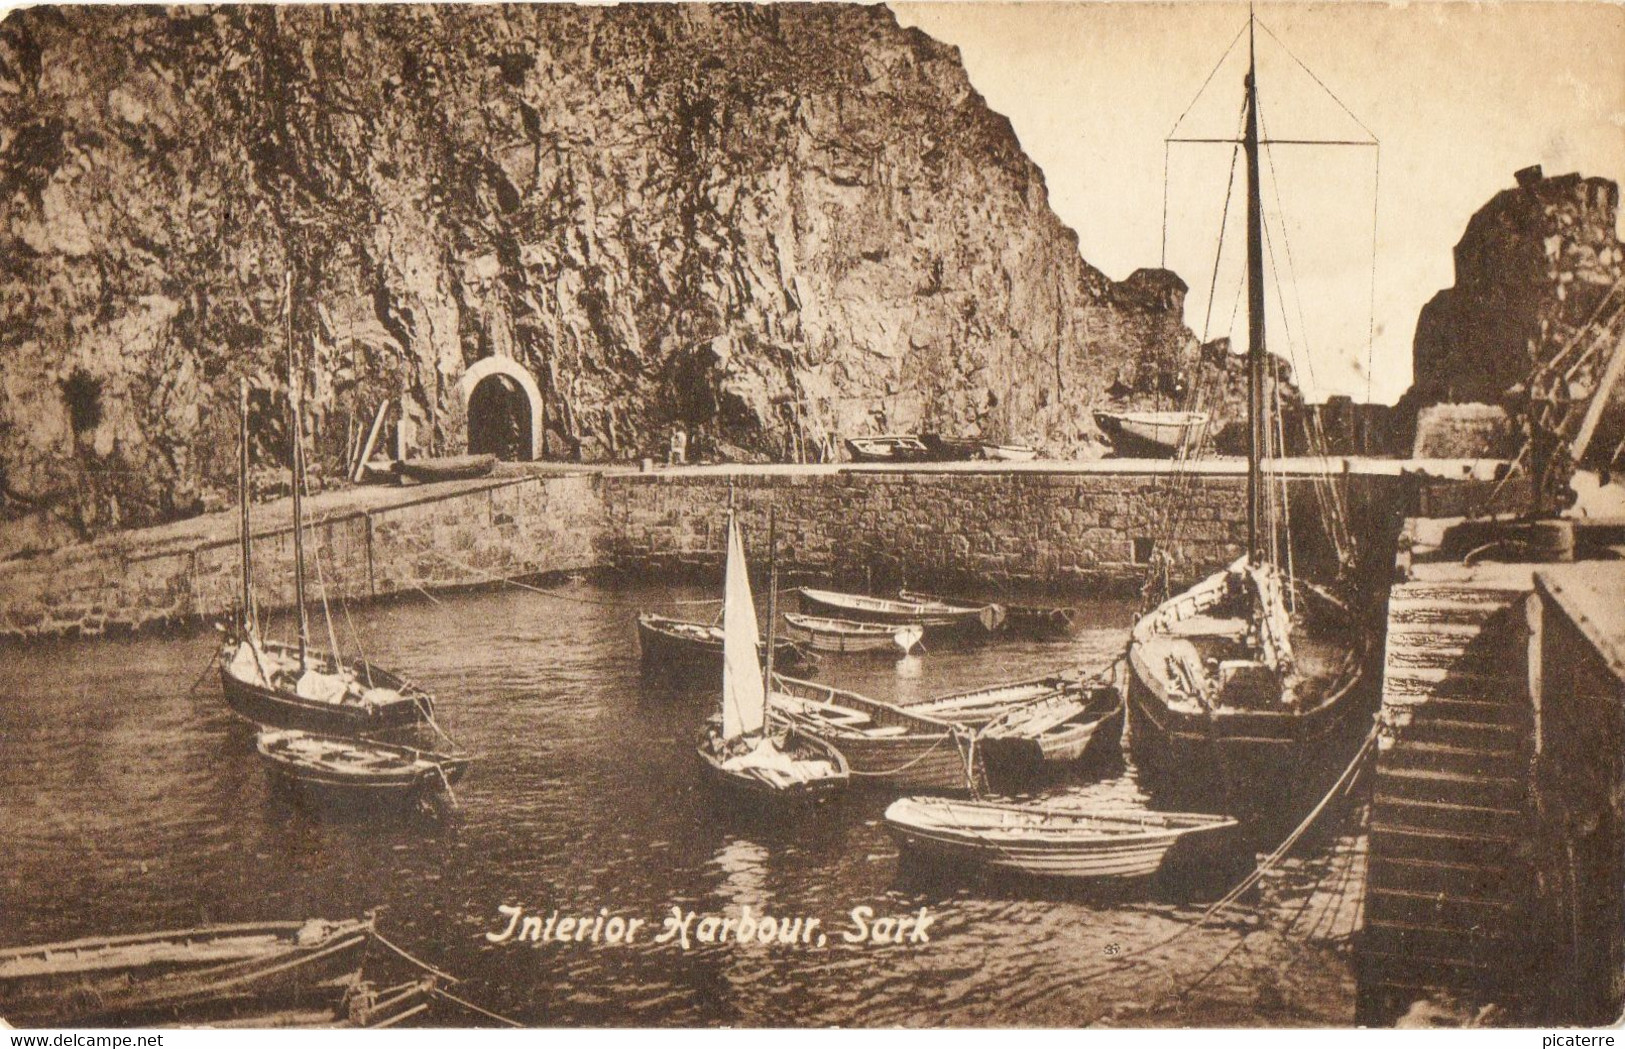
<point>466,1004</point>
<point>419,962</point>
<point>1139,955</point>
<point>440,991</point>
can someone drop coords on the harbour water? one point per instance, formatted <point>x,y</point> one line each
<point>130,802</point>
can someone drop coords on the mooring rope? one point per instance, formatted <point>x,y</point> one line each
<point>466,1004</point>
<point>441,974</point>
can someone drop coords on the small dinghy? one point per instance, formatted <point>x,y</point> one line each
<point>1066,726</point>
<point>886,745</point>
<point>667,644</point>
<point>1009,453</point>
<point>887,448</point>
<point>1034,621</point>
<point>937,617</point>
<point>445,468</point>
<point>1035,839</point>
<point>740,750</point>
<point>185,972</point>
<point>337,768</point>
<point>979,706</point>
<point>825,634</point>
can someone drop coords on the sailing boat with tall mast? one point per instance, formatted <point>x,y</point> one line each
<point>1240,687</point>
<point>740,749</point>
<point>296,686</point>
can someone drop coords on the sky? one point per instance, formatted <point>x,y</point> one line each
<point>1458,96</point>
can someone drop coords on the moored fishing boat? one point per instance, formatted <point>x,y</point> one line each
<point>740,749</point>
<point>823,634</point>
<point>1152,435</point>
<point>667,644</point>
<point>363,770</point>
<point>105,979</point>
<point>1243,689</point>
<point>446,468</point>
<point>1037,839</point>
<point>1035,621</point>
<point>884,745</point>
<point>950,449</point>
<point>887,448</point>
<point>1066,726</point>
<point>293,685</point>
<point>937,617</point>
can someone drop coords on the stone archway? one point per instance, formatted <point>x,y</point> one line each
<point>504,408</point>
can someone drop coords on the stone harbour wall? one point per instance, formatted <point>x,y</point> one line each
<point>512,529</point>
<point>1062,530</point>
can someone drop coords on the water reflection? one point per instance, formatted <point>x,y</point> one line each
<point>128,803</point>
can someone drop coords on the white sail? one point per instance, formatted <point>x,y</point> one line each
<point>744,697</point>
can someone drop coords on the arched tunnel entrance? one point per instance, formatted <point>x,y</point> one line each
<point>504,409</point>
<point>499,419</point>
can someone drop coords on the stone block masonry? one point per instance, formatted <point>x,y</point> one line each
<point>1070,528</point>
<point>430,539</point>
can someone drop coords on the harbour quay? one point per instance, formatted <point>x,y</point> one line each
<point>1076,528</point>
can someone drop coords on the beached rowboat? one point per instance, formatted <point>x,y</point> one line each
<point>1009,453</point>
<point>1031,838</point>
<point>823,634</point>
<point>1152,435</point>
<point>446,468</point>
<point>887,448</point>
<point>103,979</point>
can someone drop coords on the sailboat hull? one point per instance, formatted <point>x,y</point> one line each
<point>283,708</point>
<point>1151,435</point>
<point>1247,761</point>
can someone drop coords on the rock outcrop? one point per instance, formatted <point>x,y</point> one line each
<point>1532,269</point>
<point>769,225</point>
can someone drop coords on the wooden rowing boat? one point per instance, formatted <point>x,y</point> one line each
<point>950,449</point>
<point>446,468</point>
<point>1036,839</point>
<point>1062,727</point>
<point>105,979</point>
<point>1152,435</point>
<point>884,745</point>
<point>1035,621</point>
<point>824,634</point>
<point>744,748</point>
<point>1009,453</point>
<point>668,645</point>
<point>364,770</point>
<point>976,707</point>
<point>936,617</point>
<point>887,448</point>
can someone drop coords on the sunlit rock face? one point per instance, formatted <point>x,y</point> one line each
<point>1532,269</point>
<point>771,226</point>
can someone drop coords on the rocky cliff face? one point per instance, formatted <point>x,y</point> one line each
<point>1532,268</point>
<point>768,225</point>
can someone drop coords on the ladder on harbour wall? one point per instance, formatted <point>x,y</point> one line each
<point>1448,873</point>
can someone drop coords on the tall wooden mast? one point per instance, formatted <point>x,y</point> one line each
<point>298,461</point>
<point>1255,307</point>
<point>772,613</point>
<point>248,624</point>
